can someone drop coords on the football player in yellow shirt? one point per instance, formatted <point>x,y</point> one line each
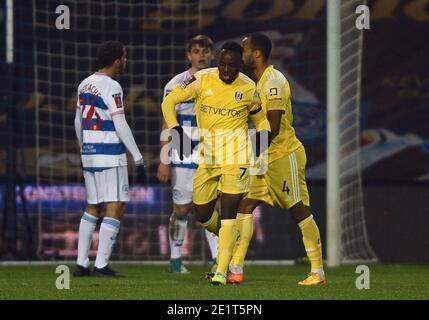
<point>224,100</point>
<point>284,182</point>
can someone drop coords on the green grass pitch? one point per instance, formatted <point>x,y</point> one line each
<point>263,282</point>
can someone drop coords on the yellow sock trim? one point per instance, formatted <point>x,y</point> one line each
<point>227,237</point>
<point>312,243</point>
<point>213,224</point>
<point>244,224</point>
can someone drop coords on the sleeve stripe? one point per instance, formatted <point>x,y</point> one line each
<point>255,111</point>
<point>117,112</point>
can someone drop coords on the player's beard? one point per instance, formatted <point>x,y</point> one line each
<point>121,67</point>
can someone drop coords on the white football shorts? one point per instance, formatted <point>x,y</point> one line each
<point>182,180</point>
<point>110,185</point>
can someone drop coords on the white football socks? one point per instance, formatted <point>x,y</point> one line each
<point>108,233</point>
<point>319,271</point>
<point>176,234</point>
<point>86,230</point>
<point>212,240</point>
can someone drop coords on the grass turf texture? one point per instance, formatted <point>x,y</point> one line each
<point>263,282</point>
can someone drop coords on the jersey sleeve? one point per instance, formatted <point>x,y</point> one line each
<point>187,90</point>
<point>257,114</point>
<point>276,94</point>
<point>114,101</point>
<point>78,96</point>
<point>167,89</point>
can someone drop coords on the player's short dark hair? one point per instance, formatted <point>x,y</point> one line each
<point>201,40</point>
<point>108,52</point>
<point>233,46</point>
<point>261,42</point>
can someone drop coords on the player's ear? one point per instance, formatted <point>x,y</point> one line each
<point>257,53</point>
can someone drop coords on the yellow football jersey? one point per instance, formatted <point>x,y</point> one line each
<point>275,94</point>
<point>222,111</point>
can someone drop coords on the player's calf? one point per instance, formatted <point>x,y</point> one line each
<point>109,230</point>
<point>177,228</point>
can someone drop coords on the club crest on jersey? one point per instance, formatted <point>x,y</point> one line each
<point>238,96</point>
<point>118,100</point>
<point>187,82</point>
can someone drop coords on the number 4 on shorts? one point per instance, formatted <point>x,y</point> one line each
<point>285,187</point>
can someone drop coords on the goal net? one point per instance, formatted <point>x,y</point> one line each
<point>354,242</point>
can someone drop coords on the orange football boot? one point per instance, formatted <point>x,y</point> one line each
<point>235,278</point>
<point>313,279</point>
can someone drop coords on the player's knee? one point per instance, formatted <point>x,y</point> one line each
<point>247,209</point>
<point>203,212</point>
<point>93,209</point>
<point>300,212</point>
<point>229,212</point>
<point>247,206</point>
<point>115,210</point>
<point>202,217</point>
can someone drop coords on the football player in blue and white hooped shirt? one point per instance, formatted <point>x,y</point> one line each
<point>181,172</point>
<point>104,136</point>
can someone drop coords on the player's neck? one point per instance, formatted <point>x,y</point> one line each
<point>193,70</point>
<point>107,71</point>
<point>260,69</point>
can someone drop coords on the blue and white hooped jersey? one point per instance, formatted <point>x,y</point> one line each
<point>99,98</point>
<point>188,120</point>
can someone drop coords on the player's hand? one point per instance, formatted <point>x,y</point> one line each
<point>139,162</point>
<point>164,172</point>
<point>184,143</point>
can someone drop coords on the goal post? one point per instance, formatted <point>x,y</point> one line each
<point>333,128</point>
